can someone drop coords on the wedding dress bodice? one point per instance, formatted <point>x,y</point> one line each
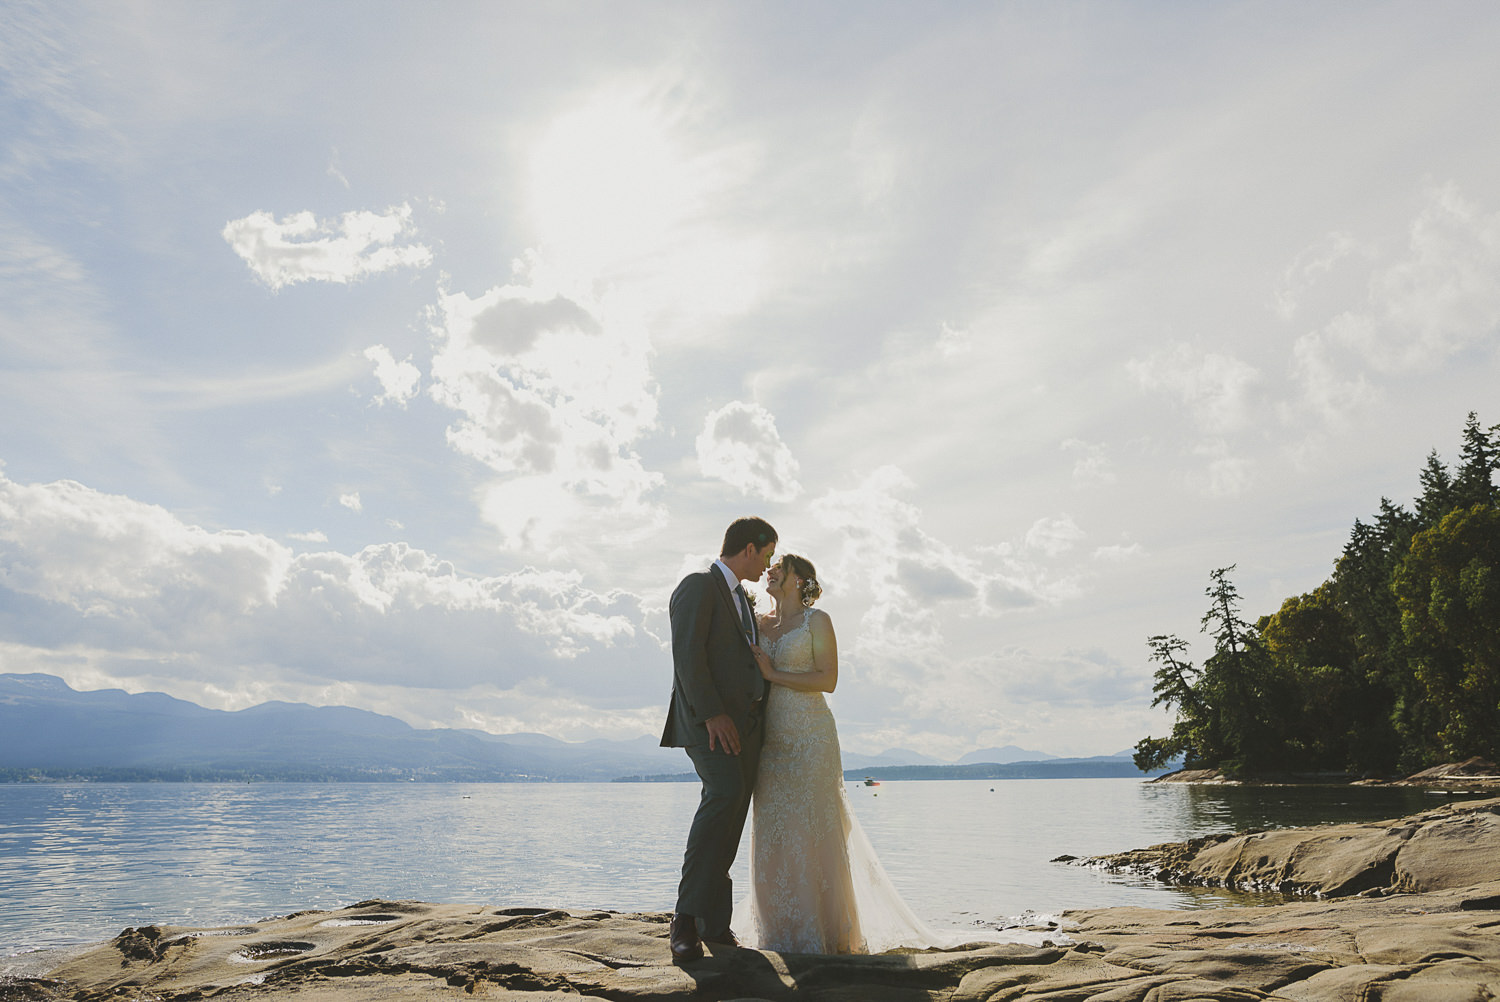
<point>793,650</point>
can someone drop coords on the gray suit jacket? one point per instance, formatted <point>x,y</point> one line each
<point>713,669</point>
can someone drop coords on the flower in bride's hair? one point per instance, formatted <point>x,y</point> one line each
<point>810,591</point>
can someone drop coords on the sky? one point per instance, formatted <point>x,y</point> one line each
<point>405,356</point>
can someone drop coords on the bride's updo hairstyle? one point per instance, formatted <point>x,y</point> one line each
<point>803,568</point>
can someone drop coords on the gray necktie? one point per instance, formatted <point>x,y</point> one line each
<point>746,620</point>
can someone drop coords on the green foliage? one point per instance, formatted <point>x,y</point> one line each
<point>1223,710</point>
<point>1193,736</point>
<point>1448,591</point>
<point>1393,664</point>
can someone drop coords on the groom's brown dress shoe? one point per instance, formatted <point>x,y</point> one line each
<point>686,946</point>
<point>725,938</point>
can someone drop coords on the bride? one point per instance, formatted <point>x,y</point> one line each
<point>816,886</point>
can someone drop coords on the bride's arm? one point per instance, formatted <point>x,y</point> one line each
<point>825,673</point>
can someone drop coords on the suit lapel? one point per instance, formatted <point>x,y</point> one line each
<point>727,597</point>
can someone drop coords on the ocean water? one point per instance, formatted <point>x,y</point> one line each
<point>80,862</point>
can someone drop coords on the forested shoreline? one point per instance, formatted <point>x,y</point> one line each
<point>1388,667</point>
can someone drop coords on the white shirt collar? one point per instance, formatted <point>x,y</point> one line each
<point>729,575</point>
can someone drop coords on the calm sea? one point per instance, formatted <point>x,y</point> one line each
<point>80,862</point>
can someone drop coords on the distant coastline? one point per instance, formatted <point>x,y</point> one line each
<point>1060,768</point>
<point>1050,769</point>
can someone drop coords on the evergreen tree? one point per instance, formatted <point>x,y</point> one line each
<point>1193,736</point>
<point>1436,499</point>
<point>1479,458</point>
<point>1448,590</point>
<point>1240,684</point>
<point>1362,588</point>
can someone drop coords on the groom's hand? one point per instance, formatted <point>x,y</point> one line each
<point>721,729</point>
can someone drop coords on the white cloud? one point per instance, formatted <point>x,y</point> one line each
<point>105,556</point>
<point>1438,299</point>
<point>1214,387</point>
<point>913,580</point>
<point>1118,552</point>
<point>1312,266</point>
<point>1092,468</point>
<point>352,501</point>
<point>334,171</point>
<point>131,580</point>
<point>739,445</point>
<point>1442,297</point>
<point>1331,389</point>
<point>1226,474</point>
<point>315,536</point>
<point>1054,536</point>
<point>552,394</point>
<point>398,380</point>
<point>301,249</point>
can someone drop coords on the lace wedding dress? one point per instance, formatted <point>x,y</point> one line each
<point>815,884</point>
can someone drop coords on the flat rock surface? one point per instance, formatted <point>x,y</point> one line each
<point>1436,946</point>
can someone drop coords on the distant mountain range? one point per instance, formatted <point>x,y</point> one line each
<point>51,731</point>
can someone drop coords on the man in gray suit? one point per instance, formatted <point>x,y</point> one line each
<point>718,695</point>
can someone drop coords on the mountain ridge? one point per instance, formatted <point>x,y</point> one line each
<point>48,730</point>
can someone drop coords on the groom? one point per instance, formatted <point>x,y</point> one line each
<point>717,698</point>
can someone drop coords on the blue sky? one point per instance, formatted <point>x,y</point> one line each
<point>404,356</point>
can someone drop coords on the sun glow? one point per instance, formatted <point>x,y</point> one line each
<point>609,183</point>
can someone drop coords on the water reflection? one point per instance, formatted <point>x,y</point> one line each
<point>1208,810</point>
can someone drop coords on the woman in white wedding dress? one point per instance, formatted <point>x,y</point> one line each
<point>815,884</point>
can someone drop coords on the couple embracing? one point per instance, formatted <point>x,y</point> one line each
<point>748,707</point>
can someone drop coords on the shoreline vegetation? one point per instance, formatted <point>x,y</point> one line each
<point>1394,910</point>
<point>1389,667</point>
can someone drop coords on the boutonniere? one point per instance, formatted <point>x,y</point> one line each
<point>750,597</point>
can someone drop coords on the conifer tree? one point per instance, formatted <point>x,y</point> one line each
<point>1448,590</point>
<point>1193,736</point>
<point>1479,458</point>
<point>1436,499</point>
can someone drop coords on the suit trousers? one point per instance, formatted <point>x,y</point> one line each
<point>706,890</point>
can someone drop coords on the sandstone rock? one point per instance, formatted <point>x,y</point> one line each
<point>1450,981</point>
<point>1310,951</point>
<point>1452,846</point>
<point>1452,851</point>
<point>1470,768</point>
<point>1339,983</point>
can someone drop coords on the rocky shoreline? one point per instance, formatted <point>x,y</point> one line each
<point>1453,846</point>
<point>1400,910</point>
<point>1473,776</point>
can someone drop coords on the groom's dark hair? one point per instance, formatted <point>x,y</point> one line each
<point>744,531</point>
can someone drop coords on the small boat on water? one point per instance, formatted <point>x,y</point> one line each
<point>871,782</point>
